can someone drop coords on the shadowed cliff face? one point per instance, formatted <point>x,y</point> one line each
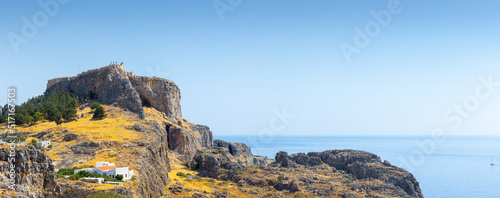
<point>113,85</point>
<point>185,139</point>
<point>154,162</point>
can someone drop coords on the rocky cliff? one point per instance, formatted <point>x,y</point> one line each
<point>113,85</point>
<point>361,165</point>
<point>32,171</point>
<point>334,173</point>
<point>185,139</point>
<point>156,138</point>
<point>153,162</point>
<point>242,153</point>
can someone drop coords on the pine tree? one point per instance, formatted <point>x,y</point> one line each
<point>99,113</point>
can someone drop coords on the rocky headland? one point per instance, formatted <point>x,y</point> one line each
<point>172,157</point>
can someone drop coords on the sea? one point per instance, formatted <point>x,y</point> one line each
<point>457,166</point>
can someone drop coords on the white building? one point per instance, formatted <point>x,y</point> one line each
<point>109,169</point>
<point>40,144</point>
<point>97,180</point>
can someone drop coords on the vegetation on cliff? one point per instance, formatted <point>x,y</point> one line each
<point>50,106</point>
<point>99,112</point>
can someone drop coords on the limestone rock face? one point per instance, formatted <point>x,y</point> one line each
<point>33,171</point>
<point>183,142</point>
<point>241,152</point>
<point>208,165</point>
<point>4,110</point>
<point>206,136</point>
<point>236,149</point>
<point>187,139</point>
<point>159,93</point>
<point>113,85</point>
<point>107,85</point>
<point>154,162</point>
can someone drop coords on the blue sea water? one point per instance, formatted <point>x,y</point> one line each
<point>458,167</point>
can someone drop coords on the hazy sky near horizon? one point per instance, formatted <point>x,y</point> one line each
<point>235,71</point>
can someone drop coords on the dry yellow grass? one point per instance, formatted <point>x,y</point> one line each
<point>111,128</point>
<point>204,183</point>
<point>102,155</point>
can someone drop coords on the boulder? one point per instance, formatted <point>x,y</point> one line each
<point>235,149</point>
<point>70,137</point>
<point>207,165</point>
<point>139,127</point>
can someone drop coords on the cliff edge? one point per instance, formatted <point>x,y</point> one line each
<point>113,85</point>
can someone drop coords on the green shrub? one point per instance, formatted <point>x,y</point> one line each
<point>181,174</point>
<point>3,119</point>
<point>347,181</point>
<point>99,112</point>
<point>94,105</point>
<point>280,177</point>
<point>119,177</point>
<point>108,194</point>
<point>68,171</point>
<point>38,116</point>
<point>194,166</point>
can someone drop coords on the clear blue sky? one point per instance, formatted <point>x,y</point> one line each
<point>267,55</point>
